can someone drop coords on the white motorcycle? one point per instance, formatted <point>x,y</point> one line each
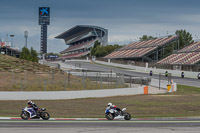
<point>110,114</point>
<point>30,113</point>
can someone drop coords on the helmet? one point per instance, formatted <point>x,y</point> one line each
<point>109,104</point>
<point>30,102</point>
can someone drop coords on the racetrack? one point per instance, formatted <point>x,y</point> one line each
<point>96,67</point>
<point>117,126</point>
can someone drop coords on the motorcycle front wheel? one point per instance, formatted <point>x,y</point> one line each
<point>109,116</point>
<point>45,115</point>
<point>127,116</point>
<point>25,115</point>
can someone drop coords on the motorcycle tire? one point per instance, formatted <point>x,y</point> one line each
<point>109,116</point>
<point>45,116</point>
<point>127,116</point>
<point>25,115</point>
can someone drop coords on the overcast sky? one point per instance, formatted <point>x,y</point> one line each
<point>126,20</point>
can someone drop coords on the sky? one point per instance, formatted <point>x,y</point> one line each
<point>126,20</point>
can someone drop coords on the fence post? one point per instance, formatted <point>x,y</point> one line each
<point>116,81</point>
<point>12,77</point>
<point>68,78</point>
<point>96,79</point>
<point>83,79</point>
<point>159,80</point>
<point>21,84</point>
<point>25,77</point>
<point>100,81</point>
<point>108,80</point>
<point>45,85</point>
<point>65,83</point>
<point>111,76</point>
<point>52,76</point>
<point>123,79</point>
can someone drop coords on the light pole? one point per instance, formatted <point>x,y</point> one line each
<point>26,37</point>
<point>12,36</point>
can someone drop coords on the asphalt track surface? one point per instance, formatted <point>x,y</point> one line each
<point>96,67</point>
<point>116,126</point>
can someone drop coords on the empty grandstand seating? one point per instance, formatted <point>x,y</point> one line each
<point>192,47</point>
<point>74,55</point>
<point>182,58</point>
<point>141,48</point>
<point>78,46</point>
<point>188,55</point>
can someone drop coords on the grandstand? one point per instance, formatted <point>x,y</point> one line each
<point>144,50</point>
<point>81,39</point>
<point>10,51</point>
<point>189,55</point>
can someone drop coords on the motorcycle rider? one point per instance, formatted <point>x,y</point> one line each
<point>198,76</point>
<point>32,105</point>
<point>112,106</point>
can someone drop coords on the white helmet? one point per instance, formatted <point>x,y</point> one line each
<point>109,104</point>
<point>30,102</point>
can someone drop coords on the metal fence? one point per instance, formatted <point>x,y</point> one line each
<point>45,81</point>
<point>68,80</point>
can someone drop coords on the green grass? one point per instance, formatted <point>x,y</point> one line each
<point>183,89</point>
<point>183,103</point>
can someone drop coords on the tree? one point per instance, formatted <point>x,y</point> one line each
<point>185,38</point>
<point>94,48</point>
<point>101,51</point>
<point>25,54</point>
<point>29,55</point>
<point>34,57</point>
<point>146,38</point>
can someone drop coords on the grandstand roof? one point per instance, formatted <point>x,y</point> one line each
<point>140,48</point>
<point>78,28</point>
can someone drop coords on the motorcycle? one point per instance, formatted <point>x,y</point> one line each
<point>110,114</point>
<point>30,113</point>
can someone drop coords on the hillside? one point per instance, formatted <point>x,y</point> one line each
<point>23,75</point>
<point>8,63</point>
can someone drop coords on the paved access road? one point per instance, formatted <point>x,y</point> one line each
<point>96,67</point>
<point>139,126</point>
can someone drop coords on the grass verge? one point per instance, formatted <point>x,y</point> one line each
<point>183,103</point>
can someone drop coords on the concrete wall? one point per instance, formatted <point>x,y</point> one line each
<point>53,95</point>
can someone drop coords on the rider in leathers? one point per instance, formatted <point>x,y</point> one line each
<point>111,106</point>
<point>34,106</point>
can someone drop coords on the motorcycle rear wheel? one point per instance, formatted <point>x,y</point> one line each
<point>45,115</point>
<point>25,115</point>
<point>109,116</point>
